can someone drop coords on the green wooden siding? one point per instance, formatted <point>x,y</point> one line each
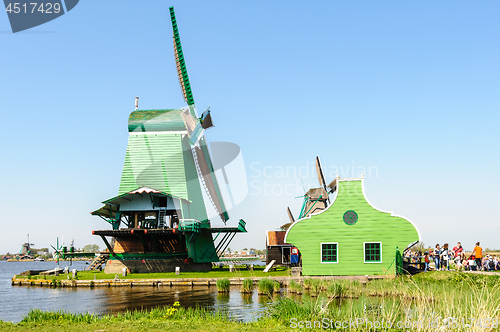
<point>329,227</point>
<point>155,161</point>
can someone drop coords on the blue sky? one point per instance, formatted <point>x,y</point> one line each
<point>408,90</point>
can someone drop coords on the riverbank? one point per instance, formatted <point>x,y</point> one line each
<point>101,279</point>
<point>426,302</point>
<point>62,281</point>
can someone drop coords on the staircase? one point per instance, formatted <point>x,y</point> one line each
<point>161,219</point>
<point>98,261</point>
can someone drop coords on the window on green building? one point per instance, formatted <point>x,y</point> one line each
<point>329,253</point>
<point>373,252</point>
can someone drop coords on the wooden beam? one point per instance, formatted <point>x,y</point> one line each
<point>108,245</point>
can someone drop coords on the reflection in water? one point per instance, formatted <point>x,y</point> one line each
<point>247,299</point>
<point>140,298</point>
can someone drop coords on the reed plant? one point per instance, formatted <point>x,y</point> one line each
<point>308,283</point>
<point>266,286</point>
<point>294,287</point>
<point>471,304</point>
<point>223,285</point>
<point>315,287</point>
<point>337,289</point>
<point>277,287</point>
<point>247,286</point>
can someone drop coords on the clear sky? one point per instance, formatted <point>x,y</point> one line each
<point>406,92</point>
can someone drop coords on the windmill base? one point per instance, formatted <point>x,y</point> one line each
<point>154,266</point>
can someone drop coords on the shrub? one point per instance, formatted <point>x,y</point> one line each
<point>308,283</point>
<point>315,286</point>
<point>292,286</point>
<point>336,289</point>
<point>247,286</point>
<point>266,286</point>
<point>223,285</point>
<point>277,286</point>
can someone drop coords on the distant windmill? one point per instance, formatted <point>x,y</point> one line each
<point>315,199</point>
<point>58,252</point>
<point>26,248</point>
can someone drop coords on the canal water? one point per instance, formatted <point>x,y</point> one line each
<point>16,301</point>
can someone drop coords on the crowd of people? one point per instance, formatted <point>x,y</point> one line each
<point>444,258</point>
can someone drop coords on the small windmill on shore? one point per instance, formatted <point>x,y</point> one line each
<point>26,248</point>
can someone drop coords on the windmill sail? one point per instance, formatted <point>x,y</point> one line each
<point>195,128</point>
<point>292,219</point>
<point>321,176</point>
<point>209,180</point>
<point>180,63</point>
<point>319,171</point>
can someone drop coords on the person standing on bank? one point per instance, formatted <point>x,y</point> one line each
<point>457,254</point>
<point>436,257</point>
<point>445,256</point>
<point>478,253</point>
<point>426,261</point>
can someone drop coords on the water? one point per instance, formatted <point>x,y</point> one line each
<point>18,300</point>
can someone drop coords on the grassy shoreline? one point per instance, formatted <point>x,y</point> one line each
<point>427,298</point>
<point>215,273</point>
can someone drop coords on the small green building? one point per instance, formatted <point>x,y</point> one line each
<point>350,236</point>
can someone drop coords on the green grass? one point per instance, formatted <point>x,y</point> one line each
<point>294,287</point>
<point>265,286</point>
<point>158,319</point>
<point>247,286</point>
<point>223,285</point>
<point>240,272</point>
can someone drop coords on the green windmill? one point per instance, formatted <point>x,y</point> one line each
<point>58,252</point>
<point>159,218</point>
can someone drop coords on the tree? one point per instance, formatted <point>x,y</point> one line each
<point>91,248</point>
<point>419,247</point>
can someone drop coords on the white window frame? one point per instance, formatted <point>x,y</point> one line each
<point>321,252</point>
<point>364,253</point>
